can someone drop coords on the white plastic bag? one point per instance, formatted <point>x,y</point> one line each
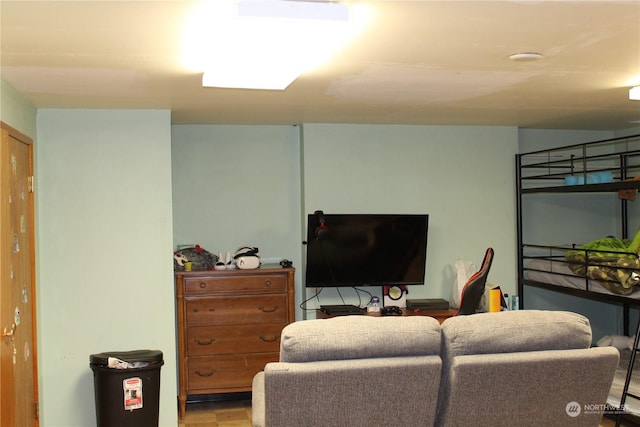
<point>464,270</point>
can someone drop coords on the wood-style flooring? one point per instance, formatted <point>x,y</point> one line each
<point>226,413</point>
<point>237,413</point>
<point>611,422</point>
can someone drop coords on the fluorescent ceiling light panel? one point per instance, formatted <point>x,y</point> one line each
<point>264,44</point>
<point>288,9</point>
<point>634,93</point>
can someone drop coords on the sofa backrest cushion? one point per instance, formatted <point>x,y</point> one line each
<point>534,388</point>
<point>359,337</point>
<point>514,331</point>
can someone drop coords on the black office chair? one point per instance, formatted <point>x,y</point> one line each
<point>474,288</point>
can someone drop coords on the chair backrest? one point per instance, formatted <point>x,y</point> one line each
<point>474,288</point>
<point>533,367</point>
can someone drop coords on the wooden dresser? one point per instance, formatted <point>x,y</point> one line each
<point>229,325</point>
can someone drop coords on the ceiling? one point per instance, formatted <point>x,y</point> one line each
<point>417,62</point>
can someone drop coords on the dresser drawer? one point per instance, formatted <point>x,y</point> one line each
<point>199,285</point>
<point>226,372</point>
<point>213,340</point>
<point>236,310</point>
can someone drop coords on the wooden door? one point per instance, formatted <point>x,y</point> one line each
<point>18,367</point>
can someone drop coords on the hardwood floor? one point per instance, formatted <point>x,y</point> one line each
<point>229,413</point>
<point>611,422</point>
<point>237,413</point>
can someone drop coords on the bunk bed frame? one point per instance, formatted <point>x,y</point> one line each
<point>548,171</point>
<point>605,166</point>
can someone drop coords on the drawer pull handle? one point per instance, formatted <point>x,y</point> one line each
<point>267,282</point>
<point>265,339</point>
<point>196,310</point>
<point>264,310</point>
<point>208,374</point>
<point>203,285</point>
<point>200,342</point>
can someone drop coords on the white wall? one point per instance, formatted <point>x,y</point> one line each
<point>104,242</point>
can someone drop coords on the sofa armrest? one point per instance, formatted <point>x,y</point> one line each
<point>257,400</point>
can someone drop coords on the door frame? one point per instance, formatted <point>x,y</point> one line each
<point>19,136</point>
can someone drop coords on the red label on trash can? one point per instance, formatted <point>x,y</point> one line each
<point>132,393</point>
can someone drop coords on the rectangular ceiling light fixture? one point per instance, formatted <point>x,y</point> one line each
<point>634,93</point>
<point>268,44</point>
<point>292,9</point>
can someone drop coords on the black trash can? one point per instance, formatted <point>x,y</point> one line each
<point>127,393</point>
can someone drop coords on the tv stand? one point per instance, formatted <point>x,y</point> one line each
<point>439,315</point>
<point>341,310</point>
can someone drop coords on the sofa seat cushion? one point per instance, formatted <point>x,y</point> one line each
<point>514,331</point>
<point>359,337</point>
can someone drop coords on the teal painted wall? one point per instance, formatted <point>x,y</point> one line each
<point>105,241</point>
<point>461,176</point>
<point>108,212</point>
<point>235,185</point>
<point>16,111</point>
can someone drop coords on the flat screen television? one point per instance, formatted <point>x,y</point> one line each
<point>365,249</point>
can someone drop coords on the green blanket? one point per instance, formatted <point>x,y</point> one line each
<point>612,261</point>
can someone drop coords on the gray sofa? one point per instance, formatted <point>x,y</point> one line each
<point>525,367</point>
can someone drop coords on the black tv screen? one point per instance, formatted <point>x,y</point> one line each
<point>366,249</point>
